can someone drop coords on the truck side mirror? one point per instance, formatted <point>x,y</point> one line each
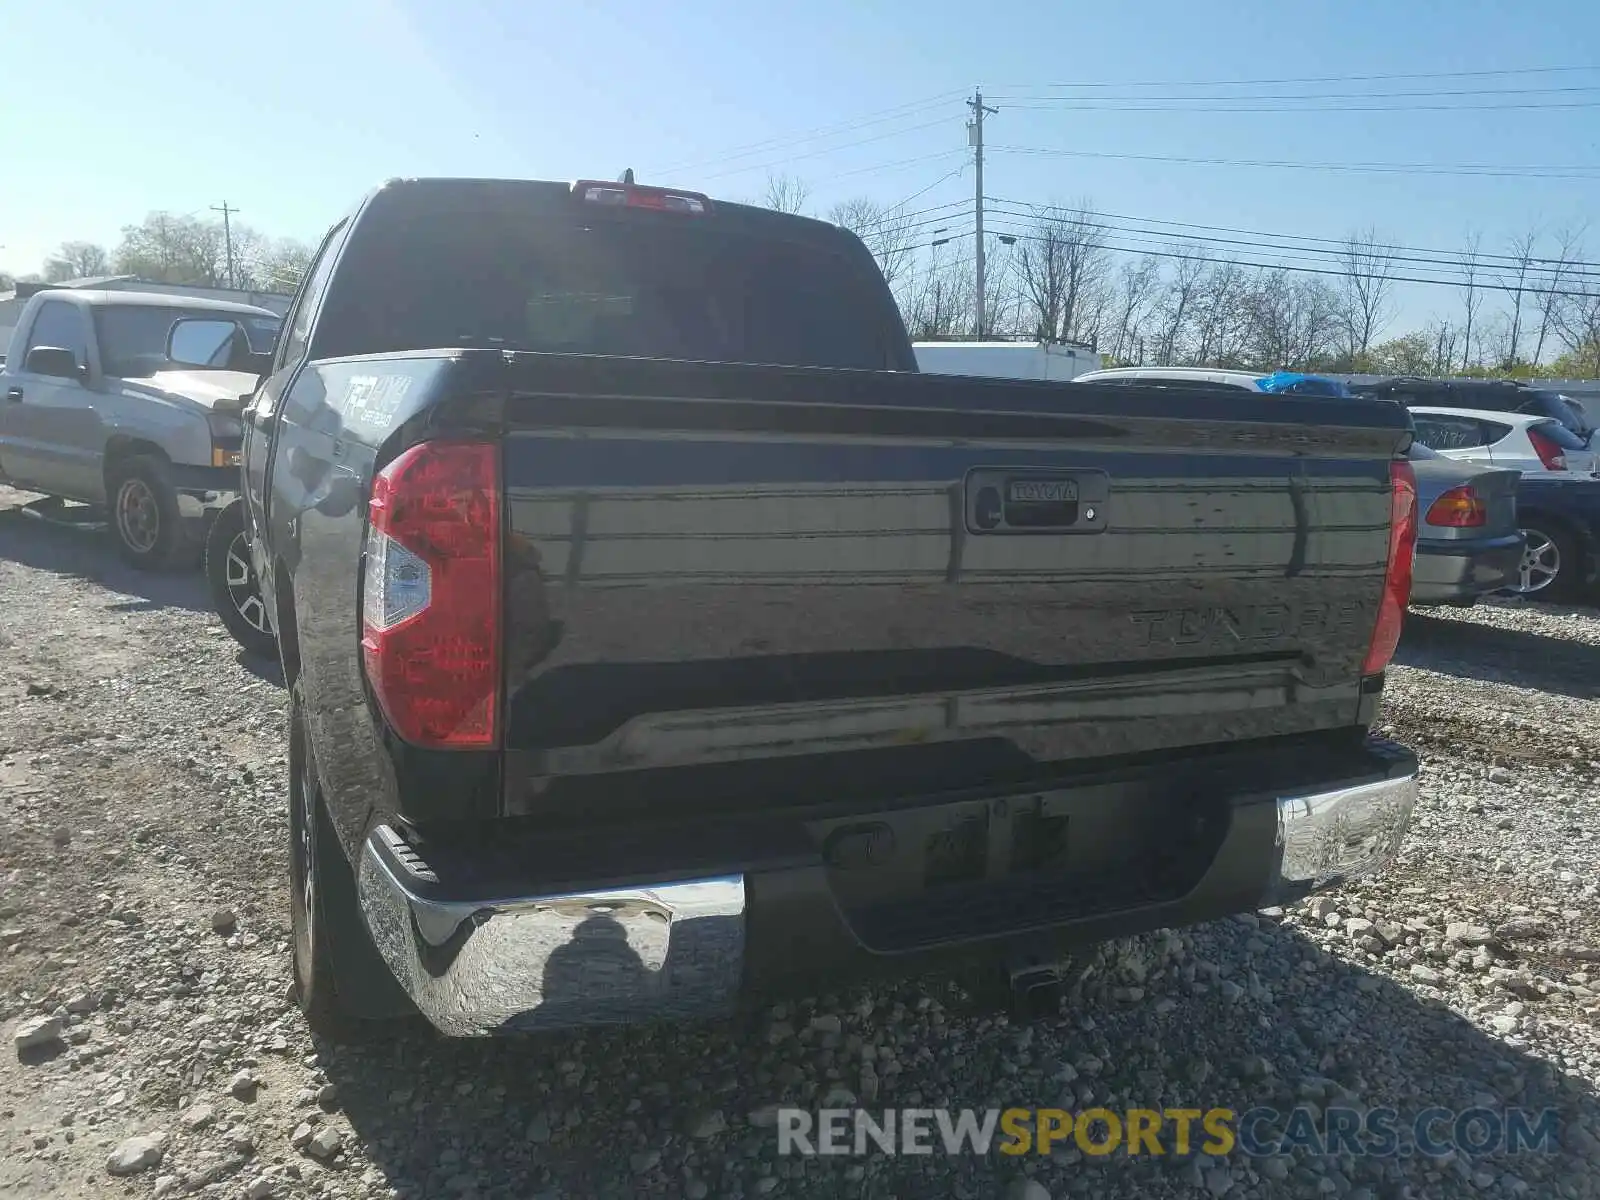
<point>217,343</point>
<point>52,361</point>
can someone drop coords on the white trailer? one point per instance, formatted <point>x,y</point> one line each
<point>1007,360</point>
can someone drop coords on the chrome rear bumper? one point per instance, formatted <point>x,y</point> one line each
<point>671,951</point>
<point>678,950</point>
<point>1326,838</point>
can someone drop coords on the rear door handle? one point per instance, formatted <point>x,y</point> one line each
<point>14,394</point>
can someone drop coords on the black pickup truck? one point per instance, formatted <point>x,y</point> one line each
<point>657,636</point>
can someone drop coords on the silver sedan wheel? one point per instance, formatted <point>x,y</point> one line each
<point>1541,563</point>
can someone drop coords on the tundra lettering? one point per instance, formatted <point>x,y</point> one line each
<point>1254,623</point>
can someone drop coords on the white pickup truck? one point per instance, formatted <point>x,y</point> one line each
<point>102,401</point>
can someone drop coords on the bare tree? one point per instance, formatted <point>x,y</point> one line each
<point>1136,283</point>
<point>1442,338</point>
<point>886,232</point>
<point>1176,305</point>
<point>1061,269</point>
<point>787,193</point>
<point>77,260</point>
<point>1514,282</point>
<point>1003,299</point>
<point>1295,319</point>
<point>1368,281</point>
<point>1495,344</point>
<point>1221,317</point>
<point>1471,295</point>
<point>1569,251</point>
<point>1577,323</point>
<point>937,300</point>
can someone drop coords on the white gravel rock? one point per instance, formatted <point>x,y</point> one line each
<point>325,1143</point>
<point>37,1032</point>
<point>137,1154</point>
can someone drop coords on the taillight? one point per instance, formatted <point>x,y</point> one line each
<point>632,195</point>
<point>1459,508</point>
<point>430,609</point>
<point>1550,454</point>
<point>1397,572</point>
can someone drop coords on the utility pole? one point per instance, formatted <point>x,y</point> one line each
<point>227,237</point>
<point>975,136</point>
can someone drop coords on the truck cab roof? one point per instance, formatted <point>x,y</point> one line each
<point>601,268</point>
<point>97,297</point>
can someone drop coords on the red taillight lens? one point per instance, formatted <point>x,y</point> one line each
<point>1397,575</point>
<point>1550,454</point>
<point>430,603</point>
<point>1459,508</point>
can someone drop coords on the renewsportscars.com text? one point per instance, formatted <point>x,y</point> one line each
<point>1257,1132</point>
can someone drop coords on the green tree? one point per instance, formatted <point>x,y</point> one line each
<point>1409,354</point>
<point>77,260</point>
<point>168,249</point>
<point>277,266</point>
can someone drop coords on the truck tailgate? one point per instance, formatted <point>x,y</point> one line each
<point>729,581</point>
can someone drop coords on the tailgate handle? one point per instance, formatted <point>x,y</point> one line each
<point>1002,500</point>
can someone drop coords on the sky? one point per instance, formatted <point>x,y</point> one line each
<point>112,109</point>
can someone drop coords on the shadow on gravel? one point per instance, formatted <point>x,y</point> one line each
<point>263,669</point>
<point>1469,650</point>
<point>89,555</point>
<point>632,1111</point>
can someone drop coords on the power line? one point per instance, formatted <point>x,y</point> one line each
<point>1278,266</point>
<point>1212,106</point>
<point>1376,253</point>
<point>1319,95</point>
<point>904,162</point>
<point>1486,258</point>
<point>928,103</point>
<point>753,149</point>
<point>954,219</point>
<point>1315,78</point>
<point>1533,278</point>
<point>931,186</point>
<point>955,211</point>
<point>1466,169</point>
<point>789,158</point>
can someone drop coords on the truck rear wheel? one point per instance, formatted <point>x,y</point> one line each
<point>331,946</point>
<point>235,591</point>
<point>145,520</point>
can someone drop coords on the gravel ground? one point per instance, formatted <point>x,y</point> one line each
<point>143,918</point>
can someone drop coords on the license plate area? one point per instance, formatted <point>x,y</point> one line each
<point>972,868</point>
<point>999,500</point>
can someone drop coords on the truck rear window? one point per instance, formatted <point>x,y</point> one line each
<point>575,282</point>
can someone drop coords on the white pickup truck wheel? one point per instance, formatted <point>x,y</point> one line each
<point>144,515</point>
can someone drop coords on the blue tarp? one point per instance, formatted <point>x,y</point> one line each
<point>1302,385</point>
